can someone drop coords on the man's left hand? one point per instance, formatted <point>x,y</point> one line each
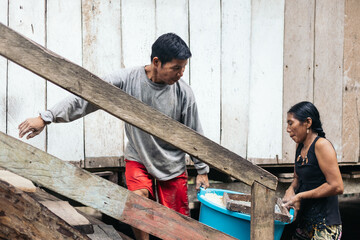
<point>202,180</point>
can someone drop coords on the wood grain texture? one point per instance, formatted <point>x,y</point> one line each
<point>98,193</point>
<point>242,203</point>
<point>17,181</point>
<point>66,212</point>
<point>298,63</point>
<point>63,35</point>
<point>351,83</point>
<point>262,213</point>
<point>102,54</point>
<point>137,36</point>
<point>172,16</point>
<point>3,71</point>
<point>26,91</point>
<point>21,217</point>
<point>83,83</point>
<point>170,221</point>
<point>105,232</point>
<point>59,176</point>
<point>266,80</point>
<point>328,85</point>
<point>235,74</point>
<point>205,79</point>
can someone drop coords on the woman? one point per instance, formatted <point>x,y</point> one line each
<point>317,179</point>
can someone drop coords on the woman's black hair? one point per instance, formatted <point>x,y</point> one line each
<point>303,110</point>
<point>169,46</point>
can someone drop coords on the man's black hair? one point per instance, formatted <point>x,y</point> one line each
<point>170,46</point>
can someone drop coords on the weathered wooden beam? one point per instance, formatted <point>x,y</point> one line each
<point>105,232</point>
<point>242,203</point>
<point>96,192</point>
<point>262,212</point>
<point>66,212</point>
<point>17,181</point>
<point>21,217</point>
<point>81,82</point>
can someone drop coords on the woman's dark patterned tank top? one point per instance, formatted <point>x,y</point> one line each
<point>318,211</point>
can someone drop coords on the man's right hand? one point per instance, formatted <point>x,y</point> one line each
<point>32,125</point>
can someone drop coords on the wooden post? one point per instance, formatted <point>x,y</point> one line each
<point>262,212</point>
<point>109,198</point>
<point>21,217</point>
<point>79,81</point>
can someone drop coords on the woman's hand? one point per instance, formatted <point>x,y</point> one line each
<point>293,202</point>
<point>288,195</point>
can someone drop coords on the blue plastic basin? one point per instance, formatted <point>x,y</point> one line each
<point>233,223</point>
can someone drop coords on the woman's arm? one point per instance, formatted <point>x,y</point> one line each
<point>290,192</point>
<point>328,164</point>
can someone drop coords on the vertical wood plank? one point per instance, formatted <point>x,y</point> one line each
<point>205,43</point>
<point>235,74</point>
<point>137,36</point>
<point>328,87</point>
<point>64,37</point>
<point>3,70</point>
<point>351,91</point>
<point>172,16</point>
<point>262,212</point>
<point>26,91</point>
<point>266,81</point>
<point>298,63</point>
<point>104,135</point>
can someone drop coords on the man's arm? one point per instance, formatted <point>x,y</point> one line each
<point>67,110</point>
<point>191,119</point>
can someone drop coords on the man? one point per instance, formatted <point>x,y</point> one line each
<point>152,165</point>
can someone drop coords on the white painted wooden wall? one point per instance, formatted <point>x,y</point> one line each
<point>237,70</point>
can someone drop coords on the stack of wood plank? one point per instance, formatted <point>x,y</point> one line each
<point>28,212</point>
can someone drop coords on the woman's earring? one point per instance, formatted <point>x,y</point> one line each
<point>307,131</point>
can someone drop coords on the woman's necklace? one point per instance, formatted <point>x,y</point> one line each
<point>305,158</point>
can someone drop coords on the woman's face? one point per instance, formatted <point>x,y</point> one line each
<point>296,129</point>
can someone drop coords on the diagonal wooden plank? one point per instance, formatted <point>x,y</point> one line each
<point>96,192</point>
<point>79,81</point>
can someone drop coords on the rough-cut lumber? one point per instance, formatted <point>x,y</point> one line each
<point>21,217</point>
<point>262,213</point>
<point>105,232</point>
<point>65,211</point>
<point>40,195</point>
<point>96,192</point>
<point>242,203</point>
<point>17,181</point>
<point>79,81</point>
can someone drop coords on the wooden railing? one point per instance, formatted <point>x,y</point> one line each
<point>81,82</point>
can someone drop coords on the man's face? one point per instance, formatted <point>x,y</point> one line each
<point>170,72</point>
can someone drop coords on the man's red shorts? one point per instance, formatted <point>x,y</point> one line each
<point>171,193</point>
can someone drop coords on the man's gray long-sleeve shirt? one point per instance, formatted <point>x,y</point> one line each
<point>162,160</point>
